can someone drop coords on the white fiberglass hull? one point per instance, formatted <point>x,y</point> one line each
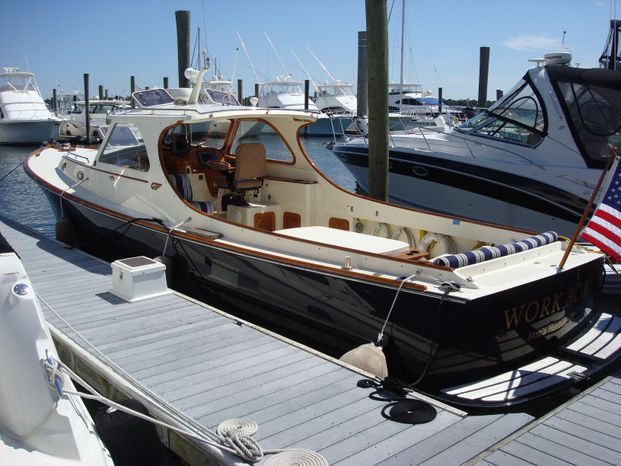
<point>28,132</point>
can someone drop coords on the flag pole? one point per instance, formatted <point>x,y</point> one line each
<point>611,158</point>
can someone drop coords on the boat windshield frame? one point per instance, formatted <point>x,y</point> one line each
<point>511,119</point>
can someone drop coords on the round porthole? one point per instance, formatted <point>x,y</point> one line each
<point>80,175</point>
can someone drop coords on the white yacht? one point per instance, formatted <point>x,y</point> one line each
<point>530,161</point>
<point>287,93</point>
<point>24,117</point>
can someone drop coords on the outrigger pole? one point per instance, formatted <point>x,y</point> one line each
<point>611,158</point>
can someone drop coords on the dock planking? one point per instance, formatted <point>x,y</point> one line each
<point>207,367</point>
<point>585,430</point>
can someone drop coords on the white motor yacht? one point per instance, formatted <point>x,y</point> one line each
<point>530,161</point>
<point>24,117</point>
<point>287,93</point>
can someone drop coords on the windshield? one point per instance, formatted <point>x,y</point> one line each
<point>595,116</point>
<point>518,118</point>
<point>125,148</point>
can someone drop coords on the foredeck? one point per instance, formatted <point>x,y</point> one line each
<point>190,362</point>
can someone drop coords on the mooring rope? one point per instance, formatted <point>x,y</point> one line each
<point>227,439</point>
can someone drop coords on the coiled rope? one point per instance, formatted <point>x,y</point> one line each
<point>233,441</point>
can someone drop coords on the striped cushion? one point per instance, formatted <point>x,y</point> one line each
<point>182,184</point>
<point>206,206</point>
<point>492,252</point>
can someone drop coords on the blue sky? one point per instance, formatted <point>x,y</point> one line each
<point>60,40</point>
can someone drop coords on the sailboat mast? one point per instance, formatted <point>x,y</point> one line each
<point>401,67</point>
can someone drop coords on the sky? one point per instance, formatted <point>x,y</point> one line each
<point>61,40</point>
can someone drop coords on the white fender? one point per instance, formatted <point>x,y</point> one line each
<point>436,244</point>
<point>408,235</point>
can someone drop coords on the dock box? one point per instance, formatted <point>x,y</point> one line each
<point>137,278</point>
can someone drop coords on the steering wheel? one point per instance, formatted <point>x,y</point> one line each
<point>219,165</point>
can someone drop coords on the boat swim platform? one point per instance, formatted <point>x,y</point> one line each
<point>194,366</point>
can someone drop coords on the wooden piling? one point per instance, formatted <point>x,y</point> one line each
<point>87,116</point>
<point>239,91</point>
<point>377,72</point>
<point>483,76</point>
<point>183,45</point>
<point>101,92</point>
<point>165,82</point>
<point>362,107</point>
<point>132,89</point>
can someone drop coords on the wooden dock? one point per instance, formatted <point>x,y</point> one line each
<point>194,366</point>
<point>584,431</point>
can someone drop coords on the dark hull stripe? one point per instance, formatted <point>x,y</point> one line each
<point>511,188</point>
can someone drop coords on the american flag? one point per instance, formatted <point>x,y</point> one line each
<point>604,228</point>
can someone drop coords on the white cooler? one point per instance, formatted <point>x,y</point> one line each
<point>137,278</point>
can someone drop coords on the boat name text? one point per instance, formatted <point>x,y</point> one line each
<point>540,308</point>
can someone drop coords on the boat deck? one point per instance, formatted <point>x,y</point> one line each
<point>195,366</point>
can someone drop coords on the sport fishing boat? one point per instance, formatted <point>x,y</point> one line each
<point>286,93</point>
<point>38,424</point>
<point>24,117</point>
<point>530,161</point>
<point>232,203</point>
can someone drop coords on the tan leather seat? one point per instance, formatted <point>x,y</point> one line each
<point>250,166</point>
<point>250,169</point>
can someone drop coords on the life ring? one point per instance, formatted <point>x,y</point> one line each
<point>436,244</point>
<point>408,235</point>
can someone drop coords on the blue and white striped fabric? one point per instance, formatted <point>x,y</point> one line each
<point>492,252</point>
<point>206,206</point>
<point>182,184</point>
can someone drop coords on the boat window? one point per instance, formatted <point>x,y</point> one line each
<point>595,114</point>
<point>211,133</point>
<point>516,118</point>
<point>125,148</point>
<point>262,133</point>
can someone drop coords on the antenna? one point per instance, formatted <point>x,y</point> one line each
<point>276,52</point>
<point>304,69</point>
<point>256,76</point>
<point>563,41</point>
<point>320,64</point>
<point>234,65</point>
